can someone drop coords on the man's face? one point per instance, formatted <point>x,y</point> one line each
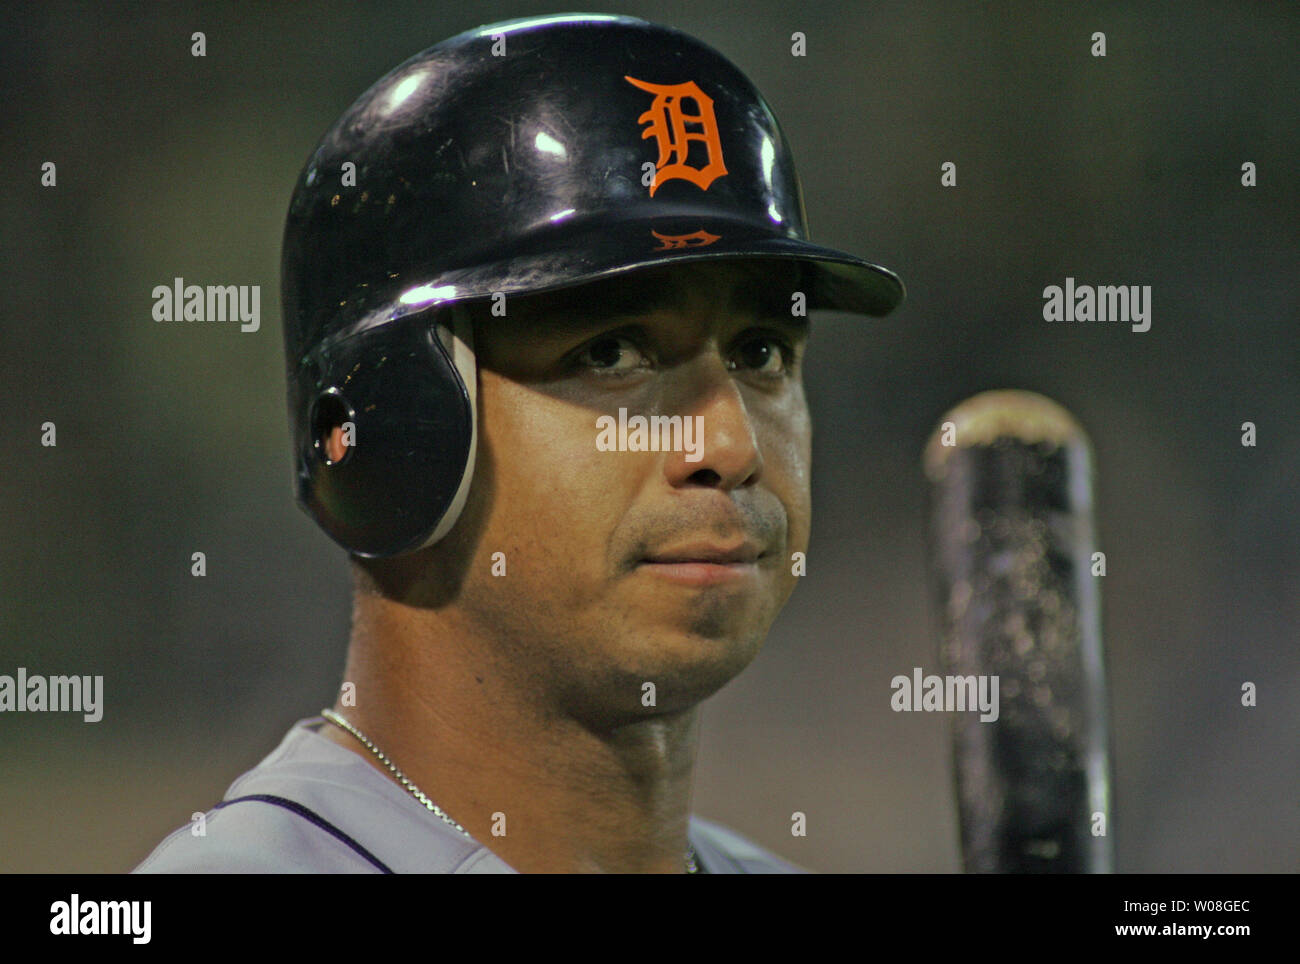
<point>627,567</point>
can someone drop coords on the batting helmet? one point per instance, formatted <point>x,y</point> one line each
<point>518,157</point>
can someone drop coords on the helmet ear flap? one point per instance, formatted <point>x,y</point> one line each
<point>386,432</point>
<point>457,340</point>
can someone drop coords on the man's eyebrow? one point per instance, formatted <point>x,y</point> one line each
<point>609,299</point>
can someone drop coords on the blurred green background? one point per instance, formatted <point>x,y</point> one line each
<point>1119,170</point>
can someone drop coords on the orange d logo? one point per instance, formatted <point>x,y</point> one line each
<point>697,239</point>
<point>667,125</point>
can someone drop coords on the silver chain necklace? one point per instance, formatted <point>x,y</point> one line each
<point>691,866</point>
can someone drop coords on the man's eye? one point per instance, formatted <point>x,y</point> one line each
<point>766,355</point>
<point>615,355</point>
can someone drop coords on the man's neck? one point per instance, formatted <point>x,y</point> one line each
<point>541,789</point>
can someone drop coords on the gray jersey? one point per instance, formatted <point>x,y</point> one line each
<point>314,807</point>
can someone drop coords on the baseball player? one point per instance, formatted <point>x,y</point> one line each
<point>545,292</point>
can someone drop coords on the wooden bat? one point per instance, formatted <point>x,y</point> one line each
<point>1012,551</point>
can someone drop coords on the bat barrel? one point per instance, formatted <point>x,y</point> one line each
<point>1012,549</point>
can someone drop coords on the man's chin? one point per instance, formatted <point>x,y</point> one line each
<point>675,669</point>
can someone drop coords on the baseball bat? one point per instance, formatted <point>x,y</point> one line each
<point>1018,593</point>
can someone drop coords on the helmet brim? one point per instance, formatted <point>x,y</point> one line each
<point>562,257</point>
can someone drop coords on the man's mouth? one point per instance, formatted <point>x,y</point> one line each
<point>704,564</point>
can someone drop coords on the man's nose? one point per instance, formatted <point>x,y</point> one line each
<point>724,452</point>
